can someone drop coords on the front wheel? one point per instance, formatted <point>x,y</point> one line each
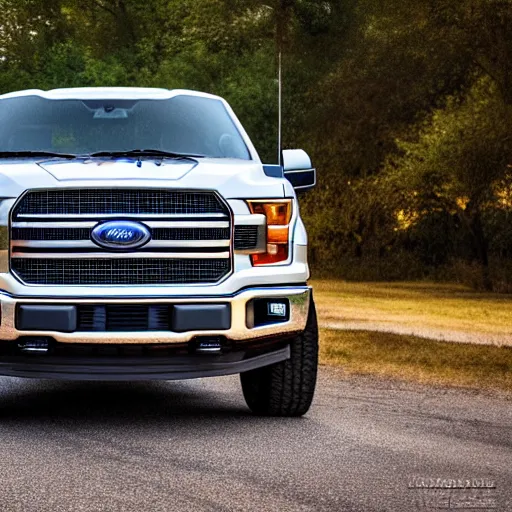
<point>286,388</point>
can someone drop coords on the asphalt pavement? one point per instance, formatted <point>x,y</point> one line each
<point>366,445</point>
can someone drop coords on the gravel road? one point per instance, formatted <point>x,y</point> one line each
<point>193,446</point>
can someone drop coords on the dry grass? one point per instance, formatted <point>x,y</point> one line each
<point>430,309</point>
<point>415,359</point>
<point>424,305</point>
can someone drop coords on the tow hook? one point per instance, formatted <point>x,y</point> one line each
<point>34,346</point>
<point>208,345</point>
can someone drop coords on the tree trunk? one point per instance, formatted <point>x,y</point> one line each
<point>479,242</point>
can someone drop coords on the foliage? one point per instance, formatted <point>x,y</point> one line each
<point>460,156</point>
<point>404,106</point>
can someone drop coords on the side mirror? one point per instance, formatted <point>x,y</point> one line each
<point>298,169</point>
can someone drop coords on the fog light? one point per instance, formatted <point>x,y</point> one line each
<point>277,309</point>
<point>261,312</point>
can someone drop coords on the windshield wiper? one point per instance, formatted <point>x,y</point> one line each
<point>22,154</point>
<point>146,152</point>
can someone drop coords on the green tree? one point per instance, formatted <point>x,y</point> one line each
<point>461,154</point>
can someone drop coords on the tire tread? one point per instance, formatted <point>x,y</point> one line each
<point>286,388</point>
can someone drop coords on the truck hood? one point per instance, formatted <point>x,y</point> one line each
<point>231,178</point>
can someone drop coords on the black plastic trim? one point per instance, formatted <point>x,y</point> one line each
<point>200,317</point>
<point>32,317</point>
<point>273,170</point>
<point>130,369</point>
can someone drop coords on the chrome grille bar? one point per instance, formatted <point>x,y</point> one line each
<point>87,244</point>
<point>118,215</point>
<point>151,224</point>
<point>120,255</point>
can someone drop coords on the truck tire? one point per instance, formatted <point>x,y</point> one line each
<point>286,388</point>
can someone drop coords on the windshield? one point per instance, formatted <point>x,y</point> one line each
<point>182,125</point>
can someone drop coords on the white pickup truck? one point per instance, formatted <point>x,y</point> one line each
<point>142,238</point>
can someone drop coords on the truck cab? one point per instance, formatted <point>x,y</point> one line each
<point>141,237</point>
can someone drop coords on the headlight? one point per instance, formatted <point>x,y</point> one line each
<point>278,214</point>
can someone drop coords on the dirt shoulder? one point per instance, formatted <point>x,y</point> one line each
<point>430,333</point>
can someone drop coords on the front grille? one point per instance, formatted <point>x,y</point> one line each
<point>123,318</point>
<point>191,234</point>
<point>133,271</point>
<point>119,202</point>
<point>51,237</point>
<point>50,234</point>
<point>246,238</point>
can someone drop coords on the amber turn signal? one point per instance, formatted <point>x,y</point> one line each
<point>278,214</point>
<point>280,253</point>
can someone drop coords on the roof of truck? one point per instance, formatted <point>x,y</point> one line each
<point>100,93</point>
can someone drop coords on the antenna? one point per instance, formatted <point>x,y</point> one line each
<point>280,110</point>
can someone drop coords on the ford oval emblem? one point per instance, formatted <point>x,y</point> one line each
<point>120,235</point>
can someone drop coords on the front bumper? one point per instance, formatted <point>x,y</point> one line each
<point>239,330</point>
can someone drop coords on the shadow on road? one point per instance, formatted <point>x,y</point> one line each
<point>117,403</point>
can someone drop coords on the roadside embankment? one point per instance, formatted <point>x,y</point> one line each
<point>426,310</point>
<point>407,331</point>
<point>413,359</point>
